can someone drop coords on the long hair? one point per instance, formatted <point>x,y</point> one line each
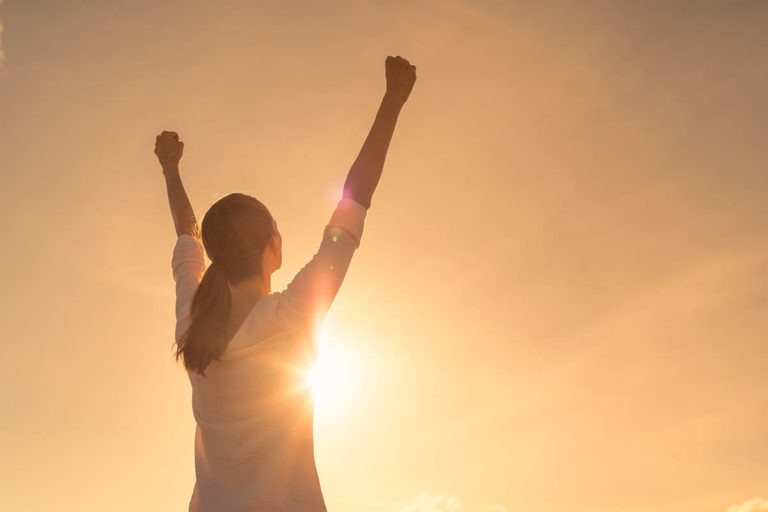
<point>235,231</point>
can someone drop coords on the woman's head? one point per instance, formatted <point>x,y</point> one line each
<point>242,242</point>
<point>240,235</point>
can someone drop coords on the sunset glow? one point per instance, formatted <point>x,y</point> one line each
<point>560,297</point>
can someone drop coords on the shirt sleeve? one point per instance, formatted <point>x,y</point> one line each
<point>309,295</point>
<point>188,265</point>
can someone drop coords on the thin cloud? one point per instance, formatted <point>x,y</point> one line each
<point>426,502</point>
<point>753,505</point>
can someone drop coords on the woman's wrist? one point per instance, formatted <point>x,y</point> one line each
<point>171,169</point>
<point>390,102</point>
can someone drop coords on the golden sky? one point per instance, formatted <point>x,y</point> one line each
<point>560,301</point>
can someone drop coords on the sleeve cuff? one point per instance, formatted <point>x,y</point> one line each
<point>350,216</point>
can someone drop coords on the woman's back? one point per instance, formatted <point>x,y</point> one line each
<point>253,443</point>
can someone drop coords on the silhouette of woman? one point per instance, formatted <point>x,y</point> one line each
<point>244,346</point>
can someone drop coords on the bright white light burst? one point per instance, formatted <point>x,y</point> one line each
<point>329,379</point>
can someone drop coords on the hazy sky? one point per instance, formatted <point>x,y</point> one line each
<point>560,301</point>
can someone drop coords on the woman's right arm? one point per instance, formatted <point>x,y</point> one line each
<point>366,170</point>
<point>313,289</point>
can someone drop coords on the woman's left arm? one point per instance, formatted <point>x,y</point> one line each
<point>169,150</point>
<point>188,261</point>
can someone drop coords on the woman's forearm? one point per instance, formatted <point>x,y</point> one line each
<point>169,150</point>
<point>366,170</point>
<point>181,209</point>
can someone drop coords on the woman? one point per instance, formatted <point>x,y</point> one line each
<point>244,346</point>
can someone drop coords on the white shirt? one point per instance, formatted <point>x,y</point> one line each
<point>254,448</point>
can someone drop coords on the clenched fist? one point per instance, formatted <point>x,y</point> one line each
<point>169,149</point>
<point>401,76</point>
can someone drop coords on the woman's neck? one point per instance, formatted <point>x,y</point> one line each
<point>250,290</point>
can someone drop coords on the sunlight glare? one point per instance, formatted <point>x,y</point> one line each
<point>331,378</point>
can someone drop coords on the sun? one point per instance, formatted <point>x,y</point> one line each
<point>326,379</point>
<point>331,379</point>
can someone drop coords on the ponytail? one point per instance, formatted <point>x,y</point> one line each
<point>205,339</point>
<point>235,231</point>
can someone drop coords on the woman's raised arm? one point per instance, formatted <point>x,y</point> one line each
<point>366,170</point>
<point>310,294</point>
<point>169,150</point>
